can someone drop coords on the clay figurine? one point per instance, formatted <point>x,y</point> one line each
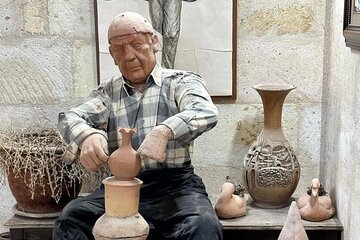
<point>293,228</point>
<point>228,204</point>
<point>315,205</point>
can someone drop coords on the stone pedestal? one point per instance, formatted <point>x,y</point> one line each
<point>121,219</point>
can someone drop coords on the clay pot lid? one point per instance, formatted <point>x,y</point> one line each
<point>274,87</point>
<point>115,182</point>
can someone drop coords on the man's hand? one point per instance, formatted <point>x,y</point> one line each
<point>155,142</point>
<point>94,152</point>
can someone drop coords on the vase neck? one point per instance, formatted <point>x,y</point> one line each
<point>126,139</point>
<point>273,102</point>
<point>126,135</point>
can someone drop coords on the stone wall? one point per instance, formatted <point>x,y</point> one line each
<point>340,165</point>
<point>47,58</point>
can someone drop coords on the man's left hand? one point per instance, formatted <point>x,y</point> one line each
<point>155,142</point>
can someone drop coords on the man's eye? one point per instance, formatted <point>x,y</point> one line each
<point>116,49</point>
<point>137,45</point>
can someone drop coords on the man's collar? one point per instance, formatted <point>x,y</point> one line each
<point>157,73</point>
<point>155,76</point>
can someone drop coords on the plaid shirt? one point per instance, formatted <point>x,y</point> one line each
<point>177,99</point>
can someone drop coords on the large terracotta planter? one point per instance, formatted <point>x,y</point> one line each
<point>41,182</point>
<point>272,170</point>
<point>37,201</point>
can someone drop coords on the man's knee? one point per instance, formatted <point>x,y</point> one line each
<point>76,220</point>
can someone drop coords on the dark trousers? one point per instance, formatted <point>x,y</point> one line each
<point>174,201</point>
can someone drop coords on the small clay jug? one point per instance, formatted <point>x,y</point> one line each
<point>123,162</point>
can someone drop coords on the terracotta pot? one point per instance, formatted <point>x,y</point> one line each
<point>272,170</point>
<point>38,201</point>
<point>31,186</point>
<point>123,162</point>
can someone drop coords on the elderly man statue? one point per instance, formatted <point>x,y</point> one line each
<point>169,109</point>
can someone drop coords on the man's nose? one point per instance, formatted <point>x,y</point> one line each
<point>129,53</point>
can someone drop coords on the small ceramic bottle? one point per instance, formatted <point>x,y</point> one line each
<point>124,163</point>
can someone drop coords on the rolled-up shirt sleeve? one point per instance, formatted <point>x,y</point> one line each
<point>88,118</point>
<point>197,112</point>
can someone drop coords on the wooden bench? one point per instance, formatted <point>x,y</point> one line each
<point>258,223</point>
<point>266,224</point>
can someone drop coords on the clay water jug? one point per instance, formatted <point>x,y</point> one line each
<point>272,170</point>
<point>124,164</point>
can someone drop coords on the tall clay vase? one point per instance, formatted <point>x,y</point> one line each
<point>121,219</point>
<point>272,170</point>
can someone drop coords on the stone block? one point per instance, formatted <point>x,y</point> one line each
<point>85,75</point>
<point>35,17</point>
<point>39,71</point>
<point>11,18</point>
<point>74,19</point>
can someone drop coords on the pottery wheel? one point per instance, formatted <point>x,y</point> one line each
<point>18,212</point>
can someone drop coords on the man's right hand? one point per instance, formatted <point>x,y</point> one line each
<point>94,152</point>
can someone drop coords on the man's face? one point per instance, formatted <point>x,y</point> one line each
<point>134,55</point>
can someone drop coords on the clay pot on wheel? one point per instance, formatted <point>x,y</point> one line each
<point>121,219</point>
<point>123,162</point>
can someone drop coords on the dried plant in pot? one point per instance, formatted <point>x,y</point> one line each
<point>41,182</point>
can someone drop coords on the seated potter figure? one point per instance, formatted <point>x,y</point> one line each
<point>315,204</point>
<point>229,205</point>
<point>169,108</point>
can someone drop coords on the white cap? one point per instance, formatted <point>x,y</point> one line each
<point>128,23</point>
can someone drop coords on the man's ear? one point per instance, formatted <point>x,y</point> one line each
<point>111,53</point>
<point>155,42</point>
